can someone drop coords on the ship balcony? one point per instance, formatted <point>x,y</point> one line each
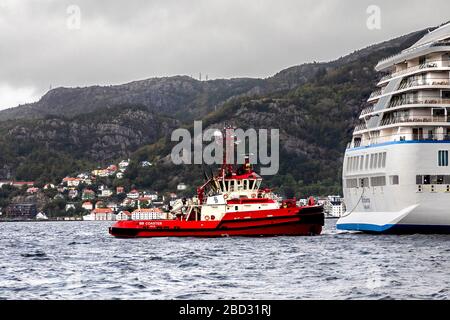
<point>426,101</point>
<point>407,85</point>
<point>443,120</point>
<point>367,110</point>
<point>425,67</point>
<point>407,103</point>
<point>360,127</point>
<point>418,83</point>
<point>375,94</point>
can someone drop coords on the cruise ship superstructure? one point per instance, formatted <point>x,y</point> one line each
<point>396,174</point>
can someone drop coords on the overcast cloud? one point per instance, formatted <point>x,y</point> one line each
<point>121,41</point>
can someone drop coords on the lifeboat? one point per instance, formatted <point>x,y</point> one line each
<point>230,203</point>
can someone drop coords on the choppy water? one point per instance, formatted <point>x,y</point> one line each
<point>79,260</point>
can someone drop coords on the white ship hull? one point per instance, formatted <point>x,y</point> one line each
<point>408,206</point>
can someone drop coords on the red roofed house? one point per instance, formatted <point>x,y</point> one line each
<point>120,190</point>
<point>32,190</point>
<point>5,182</point>
<point>148,214</point>
<point>99,204</point>
<point>133,194</point>
<point>100,214</point>
<point>123,215</point>
<point>87,205</point>
<point>20,184</point>
<point>72,182</point>
<point>88,194</point>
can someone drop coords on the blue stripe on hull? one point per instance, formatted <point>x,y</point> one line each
<point>363,227</point>
<point>395,228</point>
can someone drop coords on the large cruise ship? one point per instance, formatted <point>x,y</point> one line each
<point>396,174</point>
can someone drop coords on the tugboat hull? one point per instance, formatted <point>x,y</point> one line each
<point>282,222</point>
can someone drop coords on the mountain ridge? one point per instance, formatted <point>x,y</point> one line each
<point>181,95</point>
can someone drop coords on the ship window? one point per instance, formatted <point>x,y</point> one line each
<point>393,179</point>
<point>236,208</point>
<point>380,160</point>
<point>440,179</point>
<point>426,179</point>
<point>446,179</point>
<point>383,161</point>
<point>252,184</point>
<point>245,184</point>
<point>351,183</point>
<point>443,158</point>
<point>375,161</point>
<point>419,179</point>
<point>422,60</point>
<point>378,181</point>
<point>371,160</point>
<point>361,163</point>
<point>433,179</point>
<point>367,161</point>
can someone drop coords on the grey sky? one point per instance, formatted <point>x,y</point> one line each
<point>121,41</point>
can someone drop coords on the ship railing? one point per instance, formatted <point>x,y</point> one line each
<point>367,110</point>
<point>441,44</point>
<point>360,127</point>
<point>400,137</point>
<point>411,49</point>
<point>376,93</point>
<point>419,82</point>
<point>431,100</point>
<point>427,65</point>
<point>403,119</point>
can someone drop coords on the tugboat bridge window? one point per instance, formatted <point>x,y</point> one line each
<point>378,181</point>
<point>393,179</point>
<point>443,158</point>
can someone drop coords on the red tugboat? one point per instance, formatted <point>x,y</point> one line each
<point>231,203</point>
